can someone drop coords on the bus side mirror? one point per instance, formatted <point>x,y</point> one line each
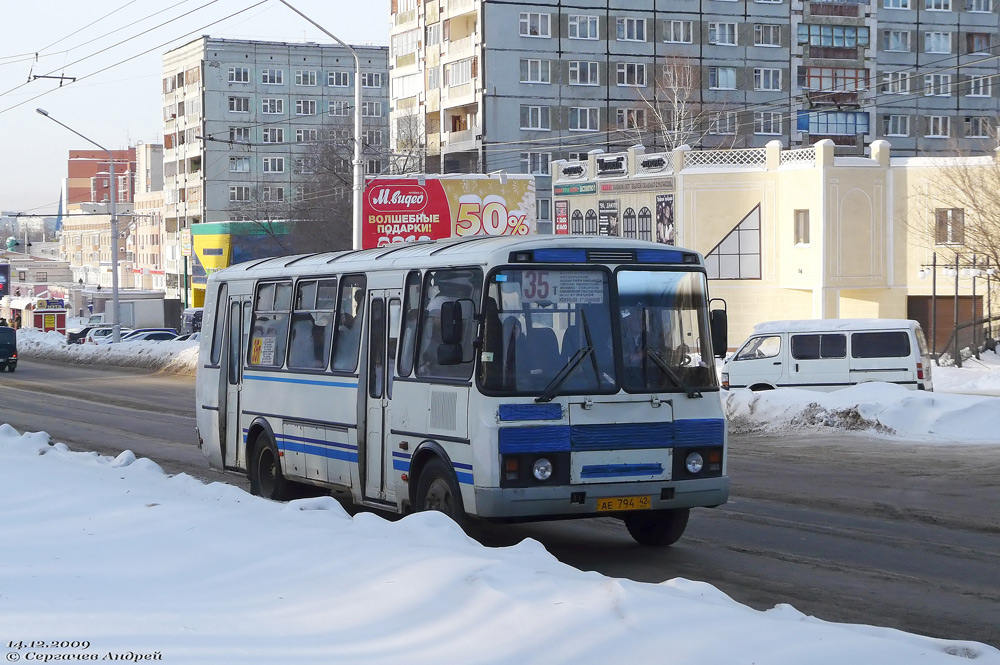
<point>719,320</point>
<point>451,322</point>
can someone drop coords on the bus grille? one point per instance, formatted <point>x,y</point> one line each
<point>610,256</point>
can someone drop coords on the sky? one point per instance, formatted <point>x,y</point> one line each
<point>114,49</point>
<point>115,552</point>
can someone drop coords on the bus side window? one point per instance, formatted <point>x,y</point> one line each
<point>270,324</point>
<point>411,305</point>
<point>443,286</point>
<point>350,315</point>
<point>220,320</point>
<point>312,326</point>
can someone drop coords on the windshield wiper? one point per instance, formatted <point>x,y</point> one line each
<point>671,374</point>
<point>552,389</point>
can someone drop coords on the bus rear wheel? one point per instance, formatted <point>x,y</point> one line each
<point>658,528</point>
<point>266,479</point>
<point>438,490</point>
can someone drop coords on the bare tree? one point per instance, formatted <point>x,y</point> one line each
<point>267,210</point>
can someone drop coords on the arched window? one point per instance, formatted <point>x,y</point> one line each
<point>628,223</point>
<point>576,223</point>
<point>591,225</point>
<point>645,224</point>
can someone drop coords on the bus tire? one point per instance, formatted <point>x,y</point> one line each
<point>437,489</point>
<point>266,479</point>
<point>658,528</point>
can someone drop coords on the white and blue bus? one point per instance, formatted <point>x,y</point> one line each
<point>507,379</point>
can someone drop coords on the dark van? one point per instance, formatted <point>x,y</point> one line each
<point>8,349</point>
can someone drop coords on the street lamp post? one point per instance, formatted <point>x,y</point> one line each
<point>359,176</point>
<point>116,323</point>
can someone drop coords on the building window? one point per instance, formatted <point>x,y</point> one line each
<point>542,208</point>
<point>305,107</point>
<point>239,105</point>
<point>949,226</point>
<point>631,29</point>
<point>937,42</point>
<point>535,117</point>
<point>937,85</point>
<point>371,79</point>
<point>833,123</point>
<point>270,193</point>
<point>239,75</point>
<point>305,165</point>
<point>535,71</point>
<point>271,76</point>
<point>896,40</point>
<point>239,134</point>
<point>305,77</point>
<point>583,118</point>
<point>737,256</point>
<point>722,78</point>
<point>833,79</point>
<point>583,27</point>
<point>896,83</point>
<point>274,164</point>
<point>979,86</point>
<point>273,135</point>
<point>801,227</point>
<point>938,5</point>
<point>339,108</point>
<point>458,73</point>
<point>896,4</point>
<point>533,24</point>
<point>272,106</point>
<point>979,5</point>
<point>765,34</point>
<point>371,109</point>
<point>977,42</point>
<point>766,79</point>
<point>338,79</point>
<point>536,162</point>
<point>583,73</point>
<point>590,225</point>
<point>767,122</point>
<point>304,135</point>
<point>977,126</point>
<point>723,122</point>
<point>896,125</point>
<point>722,34</point>
<point>839,36</point>
<point>239,193</point>
<point>371,137</point>
<point>938,127</point>
<point>632,74</point>
<point>239,164</point>
<point>631,118</point>
<point>678,32</point>
<point>433,34</point>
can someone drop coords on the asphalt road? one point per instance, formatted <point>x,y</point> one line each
<point>843,526</point>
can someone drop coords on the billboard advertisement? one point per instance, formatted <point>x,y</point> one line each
<point>432,207</point>
<point>4,279</point>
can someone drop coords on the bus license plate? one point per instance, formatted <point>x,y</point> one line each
<point>618,503</point>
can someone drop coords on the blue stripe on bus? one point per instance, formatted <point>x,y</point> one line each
<point>400,461</point>
<point>620,470</point>
<point>622,436</point>
<point>305,382</point>
<point>530,412</point>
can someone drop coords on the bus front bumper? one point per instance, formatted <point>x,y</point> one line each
<point>581,500</point>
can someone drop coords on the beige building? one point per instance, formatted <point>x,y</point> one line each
<point>789,234</point>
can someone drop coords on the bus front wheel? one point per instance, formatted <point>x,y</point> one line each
<point>266,479</point>
<point>438,490</point>
<point>658,528</point>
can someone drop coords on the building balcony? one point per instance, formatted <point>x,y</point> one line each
<point>839,98</point>
<point>462,46</point>
<point>456,8</point>
<point>835,8</point>
<point>460,141</point>
<point>459,95</point>
<point>833,52</point>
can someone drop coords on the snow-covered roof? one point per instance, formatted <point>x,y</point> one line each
<point>822,325</point>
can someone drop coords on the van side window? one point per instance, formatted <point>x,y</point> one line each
<point>814,347</point>
<point>760,347</point>
<point>894,344</point>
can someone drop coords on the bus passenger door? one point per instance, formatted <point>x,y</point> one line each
<point>384,311</point>
<point>232,435</point>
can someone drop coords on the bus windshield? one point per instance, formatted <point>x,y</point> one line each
<point>548,332</point>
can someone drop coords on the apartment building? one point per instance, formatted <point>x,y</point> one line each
<point>242,123</point>
<point>514,85</point>
<point>89,176</point>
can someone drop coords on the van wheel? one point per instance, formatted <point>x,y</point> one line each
<point>266,479</point>
<point>438,490</point>
<point>761,386</point>
<point>658,528</point>
<point>11,368</point>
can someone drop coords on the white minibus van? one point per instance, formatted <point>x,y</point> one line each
<point>827,354</point>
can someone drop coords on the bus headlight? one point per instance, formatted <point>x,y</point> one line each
<point>542,469</point>
<point>694,463</point>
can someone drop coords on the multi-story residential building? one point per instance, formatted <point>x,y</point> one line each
<point>242,123</point>
<point>88,176</point>
<point>512,85</point>
<point>148,246</point>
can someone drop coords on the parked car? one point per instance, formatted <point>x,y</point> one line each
<point>104,334</point>
<point>139,331</point>
<point>150,336</point>
<point>78,335</point>
<point>8,349</point>
<point>189,337</point>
